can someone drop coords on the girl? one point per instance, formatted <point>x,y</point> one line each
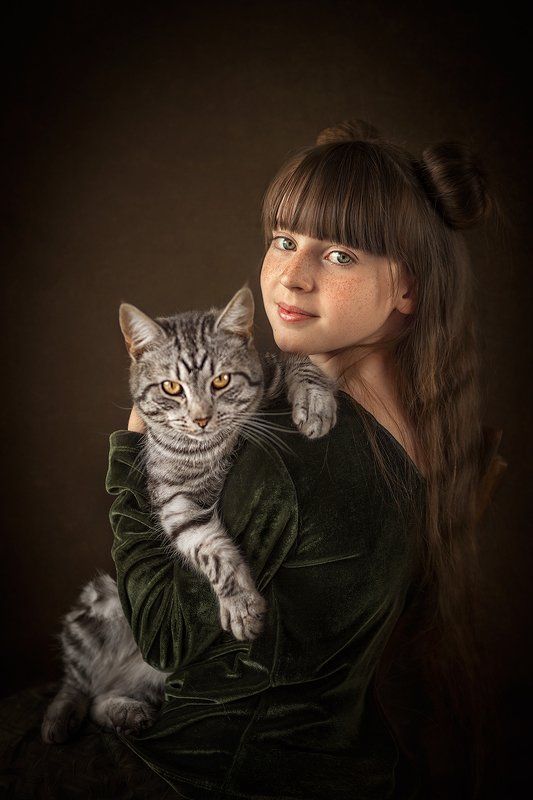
<point>366,271</point>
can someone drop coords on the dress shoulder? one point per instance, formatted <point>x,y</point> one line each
<point>335,481</point>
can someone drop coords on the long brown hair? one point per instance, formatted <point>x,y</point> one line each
<point>354,187</point>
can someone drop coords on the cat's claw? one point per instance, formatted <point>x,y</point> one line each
<point>314,412</point>
<point>243,614</point>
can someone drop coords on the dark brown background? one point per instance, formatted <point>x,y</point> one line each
<point>138,143</point>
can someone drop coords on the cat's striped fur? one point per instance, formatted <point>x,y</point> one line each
<point>188,447</point>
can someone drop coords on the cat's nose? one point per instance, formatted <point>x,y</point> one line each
<point>203,421</point>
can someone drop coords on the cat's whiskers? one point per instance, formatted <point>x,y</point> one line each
<point>246,434</point>
<point>271,413</point>
<point>257,416</point>
<point>266,432</point>
<point>122,408</point>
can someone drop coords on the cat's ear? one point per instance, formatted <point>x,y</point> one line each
<point>238,316</point>
<point>139,329</point>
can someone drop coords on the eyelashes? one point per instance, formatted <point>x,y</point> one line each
<point>352,259</point>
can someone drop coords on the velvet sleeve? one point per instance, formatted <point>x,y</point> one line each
<point>171,608</point>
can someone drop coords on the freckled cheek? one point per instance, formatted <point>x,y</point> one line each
<point>269,282</point>
<point>266,276</point>
<point>263,280</point>
<point>346,298</point>
<point>350,306</point>
<point>268,285</point>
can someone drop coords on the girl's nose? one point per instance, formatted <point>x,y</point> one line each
<point>298,272</point>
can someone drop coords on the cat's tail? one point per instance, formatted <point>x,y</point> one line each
<point>64,715</point>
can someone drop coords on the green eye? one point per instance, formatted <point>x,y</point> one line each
<point>171,387</point>
<point>221,381</point>
<point>342,255</point>
<point>285,239</point>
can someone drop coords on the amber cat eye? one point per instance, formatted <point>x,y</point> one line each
<point>171,387</point>
<point>221,381</point>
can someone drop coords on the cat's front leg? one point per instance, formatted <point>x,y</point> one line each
<point>198,535</point>
<point>312,395</point>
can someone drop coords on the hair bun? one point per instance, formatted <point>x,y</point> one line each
<point>355,130</point>
<point>456,182</point>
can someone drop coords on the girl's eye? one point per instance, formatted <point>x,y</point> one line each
<point>284,239</point>
<point>221,381</point>
<point>171,387</point>
<point>343,256</point>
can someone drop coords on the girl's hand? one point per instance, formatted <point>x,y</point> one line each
<point>135,423</point>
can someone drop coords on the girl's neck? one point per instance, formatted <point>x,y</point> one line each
<point>371,379</point>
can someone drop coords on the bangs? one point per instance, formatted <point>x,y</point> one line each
<point>344,193</point>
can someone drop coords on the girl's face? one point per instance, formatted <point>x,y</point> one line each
<point>348,291</point>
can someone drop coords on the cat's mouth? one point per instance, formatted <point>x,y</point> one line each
<point>196,433</point>
<point>199,433</point>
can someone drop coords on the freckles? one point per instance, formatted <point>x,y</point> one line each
<point>267,270</point>
<point>264,276</point>
<point>346,293</point>
<point>338,288</point>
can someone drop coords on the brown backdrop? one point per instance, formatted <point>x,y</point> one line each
<point>139,142</point>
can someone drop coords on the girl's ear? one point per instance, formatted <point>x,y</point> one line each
<point>139,330</point>
<point>406,302</point>
<point>238,316</point>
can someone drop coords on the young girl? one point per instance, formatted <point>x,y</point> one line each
<point>366,271</point>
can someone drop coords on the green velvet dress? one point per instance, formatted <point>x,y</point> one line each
<point>291,715</point>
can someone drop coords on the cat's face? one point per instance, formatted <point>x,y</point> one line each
<point>194,374</point>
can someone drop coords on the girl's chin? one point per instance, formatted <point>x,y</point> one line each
<point>290,344</point>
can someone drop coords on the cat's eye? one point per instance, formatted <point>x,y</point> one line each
<point>171,387</point>
<point>221,381</point>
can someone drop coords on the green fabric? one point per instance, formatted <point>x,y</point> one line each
<point>291,714</point>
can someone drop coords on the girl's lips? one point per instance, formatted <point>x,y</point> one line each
<point>294,310</point>
<point>292,316</point>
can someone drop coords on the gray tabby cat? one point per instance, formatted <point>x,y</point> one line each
<point>198,383</point>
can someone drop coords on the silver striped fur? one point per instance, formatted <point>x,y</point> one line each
<point>188,448</point>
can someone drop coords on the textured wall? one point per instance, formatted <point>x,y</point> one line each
<point>138,146</point>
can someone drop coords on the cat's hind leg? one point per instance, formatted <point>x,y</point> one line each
<point>100,657</point>
<point>121,713</point>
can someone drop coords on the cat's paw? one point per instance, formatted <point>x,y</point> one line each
<point>314,411</point>
<point>130,716</point>
<point>243,614</point>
